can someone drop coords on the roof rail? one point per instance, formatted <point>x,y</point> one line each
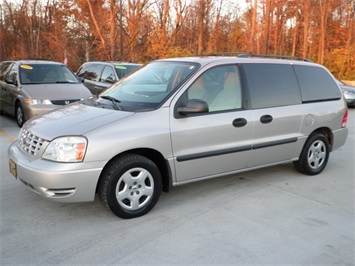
<point>27,58</point>
<point>224,54</point>
<point>285,57</point>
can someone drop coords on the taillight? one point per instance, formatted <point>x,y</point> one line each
<point>345,118</point>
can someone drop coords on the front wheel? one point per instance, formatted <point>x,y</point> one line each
<point>130,186</point>
<point>19,114</point>
<point>314,156</point>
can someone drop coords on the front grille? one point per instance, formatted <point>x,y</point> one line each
<point>30,143</point>
<point>64,102</point>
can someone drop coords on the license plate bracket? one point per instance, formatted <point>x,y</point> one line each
<point>13,168</point>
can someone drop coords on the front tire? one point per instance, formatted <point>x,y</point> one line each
<point>314,156</point>
<point>130,186</point>
<point>19,114</point>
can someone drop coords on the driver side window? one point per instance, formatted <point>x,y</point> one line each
<point>12,75</point>
<point>219,87</point>
<point>108,73</point>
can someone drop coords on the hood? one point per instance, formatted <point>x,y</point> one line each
<point>74,119</point>
<point>56,91</point>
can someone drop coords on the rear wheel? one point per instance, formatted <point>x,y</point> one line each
<point>20,116</point>
<point>314,156</point>
<point>130,186</point>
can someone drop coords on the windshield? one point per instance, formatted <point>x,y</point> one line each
<point>46,74</point>
<point>123,70</point>
<point>148,87</point>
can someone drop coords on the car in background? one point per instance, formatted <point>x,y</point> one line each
<point>32,87</point>
<point>348,92</point>
<point>99,75</point>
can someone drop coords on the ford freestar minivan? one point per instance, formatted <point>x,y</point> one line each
<point>176,121</point>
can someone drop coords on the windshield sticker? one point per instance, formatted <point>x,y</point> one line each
<point>121,67</point>
<point>26,67</point>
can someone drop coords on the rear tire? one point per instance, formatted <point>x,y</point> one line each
<point>130,186</point>
<point>314,156</point>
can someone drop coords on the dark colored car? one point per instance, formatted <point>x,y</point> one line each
<point>99,75</point>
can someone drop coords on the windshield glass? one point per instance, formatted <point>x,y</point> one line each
<point>46,74</point>
<point>148,87</point>
<point>123,70</point>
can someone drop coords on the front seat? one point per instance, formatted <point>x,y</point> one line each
<point>230,96</point>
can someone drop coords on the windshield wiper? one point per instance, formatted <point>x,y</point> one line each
<point>66,81</point>
<point>113,100</point>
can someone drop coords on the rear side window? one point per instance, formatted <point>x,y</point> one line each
<point>90,71</point>
<point>316,84</point>
<point>271,85</point>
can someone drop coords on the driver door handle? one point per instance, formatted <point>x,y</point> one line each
<point>239,122</point>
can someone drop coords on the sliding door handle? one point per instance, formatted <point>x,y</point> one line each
<point>265,119</point>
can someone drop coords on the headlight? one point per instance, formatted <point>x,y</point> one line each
<point>34,101</point>
<point>66,149</point>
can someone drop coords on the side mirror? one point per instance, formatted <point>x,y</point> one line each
<point>10,80</point>
<point>193,106</point>
<point>81,79</point>
<point>110,80</point>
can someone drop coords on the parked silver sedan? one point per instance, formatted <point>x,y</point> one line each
<point>349,93</point>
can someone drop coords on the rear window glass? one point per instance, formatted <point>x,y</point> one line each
<point>316,84</point>
<point>271,85</point>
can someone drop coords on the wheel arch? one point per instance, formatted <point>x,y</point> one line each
<point>327,133</point>
<point>154,156</point>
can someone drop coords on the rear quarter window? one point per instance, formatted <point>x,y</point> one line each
<point>316,84</point>
<point>271,85</point>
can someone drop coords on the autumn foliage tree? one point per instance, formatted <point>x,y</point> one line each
<point>321,30</point>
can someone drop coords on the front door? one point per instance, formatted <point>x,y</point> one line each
<point>217,141</point>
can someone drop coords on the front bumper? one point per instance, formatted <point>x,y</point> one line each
<point>350,102</point>
<point>350,99</point>
<point>61,182</point>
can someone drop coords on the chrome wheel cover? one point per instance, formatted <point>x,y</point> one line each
<point>134,189</point>
<point>316,154</point>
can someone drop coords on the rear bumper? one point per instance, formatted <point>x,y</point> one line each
<point>340,137</point>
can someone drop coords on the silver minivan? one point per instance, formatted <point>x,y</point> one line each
<point>176,121</point>
<point>31,87</point>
